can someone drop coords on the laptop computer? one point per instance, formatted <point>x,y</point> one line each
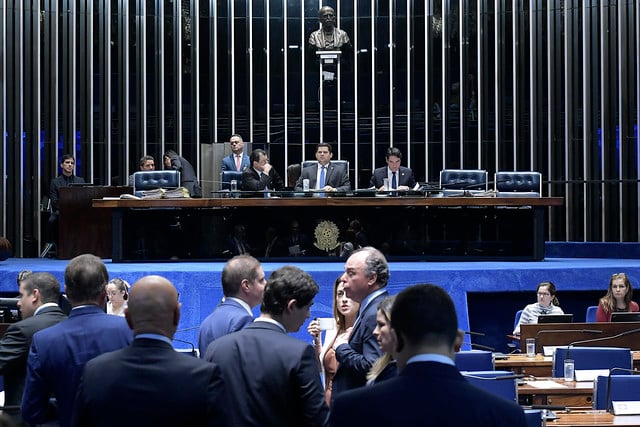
<point>555,318</point>
<point>625,317</point>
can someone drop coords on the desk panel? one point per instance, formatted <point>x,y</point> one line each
<point>405,228</point>
<point>593,418</point>
<point>604,334</point>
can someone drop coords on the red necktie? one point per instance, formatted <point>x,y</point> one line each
<point>238,163</point>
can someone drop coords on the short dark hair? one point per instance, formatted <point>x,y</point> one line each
<point>425,313</point>
<point>66,157</point>
<point>255,155</point>
<point>393,151</point>
<point>285,284</point>
<point>324,144</point>
<point>375,263</point>
<point>85,278</point>
<point>235,270</point>
<point>45,283</point>
<point>143,160</point>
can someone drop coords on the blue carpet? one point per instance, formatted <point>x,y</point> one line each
<point>200,288</point>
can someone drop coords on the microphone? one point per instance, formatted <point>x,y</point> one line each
<point>483,347</point>
<point>497,378</point>
<point>564,331</point>
<point>607,400</point>
<point>621,334</point>
<point>193,347</point>
<point>188,329</point>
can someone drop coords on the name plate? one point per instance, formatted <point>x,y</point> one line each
<point>631,407</point>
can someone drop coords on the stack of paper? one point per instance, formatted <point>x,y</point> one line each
<point>162,193</point>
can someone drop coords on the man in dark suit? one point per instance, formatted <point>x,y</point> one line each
<point>149,383</point>
<point>272,378</point>
<point>188,178</point>
<point>429,389</point>
<point>58,354</point>
<point>365,281</point>
<point>243,282</point>
<point>237,160</point>
<point>400,177</point>
<point>38,304</point>
<point>335,178</point>
<point>261,175</point>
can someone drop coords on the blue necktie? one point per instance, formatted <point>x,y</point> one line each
<point>394,183</point>
<point>322,184</point>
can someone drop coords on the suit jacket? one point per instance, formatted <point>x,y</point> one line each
<point>356,358</point>
<point>229,163</point>
<point>229,316</point>
<point>424,394</point>
<point>271,378</point>
<point>54,189</point>
<point>335,177</point>
<point>58,355</point>
<point>150,384</point>
<point>14,349</point>
<point>252,181</point>
<point>188,178</point>
<point>404,176</point>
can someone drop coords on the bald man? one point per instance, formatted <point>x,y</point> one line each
<point>149,383</point>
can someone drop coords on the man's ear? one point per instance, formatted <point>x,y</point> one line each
<point>35,295</point>
<point>290,305</point>
<point>176,315</point>
<point>457,343</point>
<point>244,285</point>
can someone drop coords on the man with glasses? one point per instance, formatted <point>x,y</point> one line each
<point>237,160</point>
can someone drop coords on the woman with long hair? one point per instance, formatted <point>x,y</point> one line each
<point>344,313</point>
<point>117,294</point>
<point>617,299</point>
<point>385,367</point>
<point>547,304</point>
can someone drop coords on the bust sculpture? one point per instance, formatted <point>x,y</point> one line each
<point>328,37</point>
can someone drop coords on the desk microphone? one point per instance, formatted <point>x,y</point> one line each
<point>621,334</point>
<point>504,377</point>
<point>483,347</point>
<point>193,347</point>
<point>188,329</point>
<point>478,334</point>
<point>608,394</point>
<point>564,331</point>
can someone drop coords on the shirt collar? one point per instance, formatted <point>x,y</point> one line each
<point>157,337</point>
<point>45,305</point>
<point>431,357</point>
<point>269,320</point>
<point>365,302</point>
<point>242,303</point>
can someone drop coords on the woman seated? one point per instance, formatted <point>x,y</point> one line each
<point>617,299</point>
<point>547,304</point>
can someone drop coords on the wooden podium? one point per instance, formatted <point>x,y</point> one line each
<point>81,228</point>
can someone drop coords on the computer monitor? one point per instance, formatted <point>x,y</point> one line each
<point>555,318</point>
<point>625,317</point>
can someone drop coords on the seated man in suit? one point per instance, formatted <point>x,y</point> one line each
<point>149,382</point>
<point>324,175</point>
<point>429,389</point>
<point>243,282</point>
<point>146,163</point>
<point>237,160</point>
<point>400,177</point>
<point>272,378</point>
<point>39,295</point>
<point>261,175</point>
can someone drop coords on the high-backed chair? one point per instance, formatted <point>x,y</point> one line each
<point>514,345</point>
<point>151,180</point>
<point>518,184</point>
<point>592,358</point>
<point>458,182</point>
<point>227,176</point>
<point>490,381</point>
<point>590,317</point>
<point>474,360</point>
<point>622,388</point>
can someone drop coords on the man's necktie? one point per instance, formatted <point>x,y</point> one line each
<point>238,163</point>
<point>322,177</point>
<point>394,183</point>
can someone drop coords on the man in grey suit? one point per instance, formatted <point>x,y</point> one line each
<point>38,304</point>
<point>243,282</point>
<point>149,383</point>
<point>324,175</point>
<point>400,177</point>
<point>272,378</point>
<point>365,280</point>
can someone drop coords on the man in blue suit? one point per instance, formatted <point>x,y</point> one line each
<point>58,354</point>
<point>243,282</point>
<point>237,160</point>
<point>272,378</point>
<point>365,281</point>
<point>404,179</point>
<point>429,389</point>
<point>149,383</point>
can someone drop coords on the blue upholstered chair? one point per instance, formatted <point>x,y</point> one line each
<point>623,388</point>
<point>592,358</point>
<point>227,176</point>
<point>489,381</point>
<point>151,180</point>
<point>518,184</point>
<point>475,360</point>
<point>590,317</point>
<point>458,182</point>
<point>514,345</point>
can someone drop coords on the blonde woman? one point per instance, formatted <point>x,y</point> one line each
<point>385,367</point>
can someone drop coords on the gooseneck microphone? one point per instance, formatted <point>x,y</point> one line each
<point>564,331</point>
<point>607,400</point>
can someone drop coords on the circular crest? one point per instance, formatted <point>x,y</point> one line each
<point>326,234</point>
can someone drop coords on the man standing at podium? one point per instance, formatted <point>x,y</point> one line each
<point>65,179</point>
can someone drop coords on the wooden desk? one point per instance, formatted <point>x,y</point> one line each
<point>428,228</point>
<point>538,366</point>
<point>571,394</point>
<point>593,418</point>
<point>554,334</point>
